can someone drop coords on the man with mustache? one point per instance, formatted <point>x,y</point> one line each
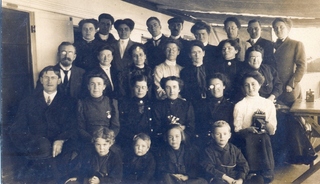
<point>176,26</point>
<point>71,76</point>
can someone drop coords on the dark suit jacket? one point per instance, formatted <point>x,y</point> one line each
<point>101,42</point>
<point>267,46</point>
<point>35,119</point>
<point>121,64</point>
<point>76,83</point>
<point>291,64</point>
<point>155,54</point>
<point>86,54</point>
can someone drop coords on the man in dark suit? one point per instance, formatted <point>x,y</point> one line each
<point>201,31</point>
<point>72,82</point>
<point>254,30</point>
<point>103,36</point>
<point>154,46</point>
<point>44,129</point>
<point>122,58</point>
<point>290,59</point>
<point>176,26</point>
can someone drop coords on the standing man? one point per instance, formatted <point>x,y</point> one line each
<point>231,27</point>
<point>103,36</point>
<point>154,46</point>
<point>290,59</point>
<point>254,30</point>
<point>71,76</point>
<point>122,58</point>
<point>44,128</point>
<point>176,26</point>
<point>201,31</point>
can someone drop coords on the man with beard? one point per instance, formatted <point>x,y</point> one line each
<point>71,84</point>
<point>103,36</point>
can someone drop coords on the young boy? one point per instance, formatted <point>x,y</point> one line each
<point>104,165</point>
<point>223,162</point>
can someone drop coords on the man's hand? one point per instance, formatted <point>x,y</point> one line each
<point>57,147</point>
<point>70,179</point>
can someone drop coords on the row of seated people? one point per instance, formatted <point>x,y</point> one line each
<point>155,100</point>
<point>54,135</point>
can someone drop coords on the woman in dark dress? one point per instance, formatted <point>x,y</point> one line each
<point>229,65</point>
<point>135,113</point>
<point>139,67</point>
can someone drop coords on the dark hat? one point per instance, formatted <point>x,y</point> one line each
<point>127,22</point>
<point>39,149</point>
<point>106,16</point>
<point>175,20</point>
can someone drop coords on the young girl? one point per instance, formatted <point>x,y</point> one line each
<point>179,162</point>
<point>257,147</point>
<point>140,166</point>
<point>103,165</point>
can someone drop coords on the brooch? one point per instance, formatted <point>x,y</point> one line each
<point>108,114</point>
<point>229,63</point>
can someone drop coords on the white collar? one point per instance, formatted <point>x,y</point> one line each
<point>175,37</point>
<point>65,68</point>
<point>205,43</point>
<point>124,40</point>
<point>157,37</point>
<point>103,37</point>
<point>52,95</point>
<point>105,67</point>
<point>170,63</point>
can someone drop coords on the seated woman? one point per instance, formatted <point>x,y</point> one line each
<point>96,111</point>
<point>179,162</point>
<point>254,120</point>
<point>216,107</point>
<point>229,65</point>
<point>290,143</point>
<point>135,113</point>
<point>139,67</point>
<point>173,110</point>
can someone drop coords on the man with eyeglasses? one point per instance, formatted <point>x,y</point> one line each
<point>44,130</point>
<point>254,30</point>
<point>232,26</point>
<point>168,68</point>
<point>71,76</point>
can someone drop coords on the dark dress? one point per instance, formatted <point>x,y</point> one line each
<point>135,117</point>
<point>126,76</point>
<point>231,69</point>
<point>183,161</point>
<point>86,54</point>
<point>94,113</point>
<point>179,108</point>
<point>139,169</point>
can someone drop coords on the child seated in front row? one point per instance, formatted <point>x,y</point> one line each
<point>139,167</point>
<point>103,165</point>
<point>179,162</point>
<point>223,162</point>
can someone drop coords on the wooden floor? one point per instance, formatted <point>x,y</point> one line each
<point>283,174</point>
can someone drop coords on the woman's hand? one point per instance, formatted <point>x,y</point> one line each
<point>288,88</point>
<point>70,179</point>
<point>173,119</point>
<point>181,177</point>
<point>94,180</point>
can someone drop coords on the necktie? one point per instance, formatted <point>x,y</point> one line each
<point>48,100</point>
<point>278,43</point>
<point>156,42</point>
<point>122,48</point>
<point>252,42</point>
<point>65,79</point>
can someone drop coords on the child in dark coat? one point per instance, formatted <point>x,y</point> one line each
<point>223,162</point>
<point>140,166</point>
<point>104,165</point>
<point>179,162</point>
